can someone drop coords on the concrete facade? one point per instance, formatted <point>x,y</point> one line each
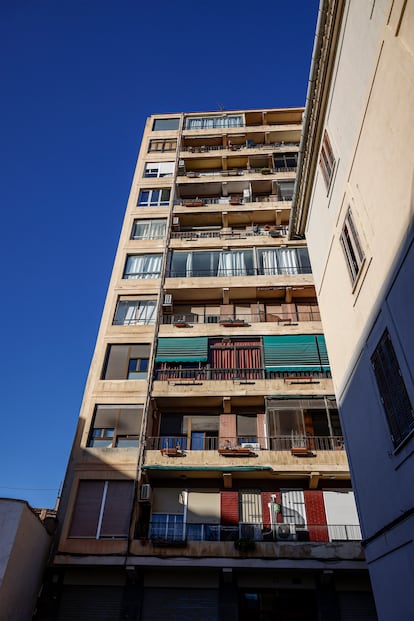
<point>359,228</point>
<point>24,547</point>
<point>208,470</point>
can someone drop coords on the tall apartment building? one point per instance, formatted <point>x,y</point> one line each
<point>354,201</point>
<point>208,478</point>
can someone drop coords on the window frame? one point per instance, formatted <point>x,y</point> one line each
<point>390,383</point>
<point>153,222</point>
<point>350,240</point>
<point>154,170</point>
<point>119,424</point>
<point>166,144</point>
<point>136,304</point>
<point>327,160</point>
<point>154,202</point>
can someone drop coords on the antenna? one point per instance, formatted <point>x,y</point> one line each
<point>220,106</point>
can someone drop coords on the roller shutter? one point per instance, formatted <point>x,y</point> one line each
<point>180,604</point>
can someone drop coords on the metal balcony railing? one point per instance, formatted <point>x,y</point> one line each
<point>208,374</point>
<point>274,232</point>
<point>244,535</point>
<point>226,200</point>
<point>247,318</point>
<point>254,443</point>
<point>249,144</point>
<point>238,171</point>
<point>247,271</point>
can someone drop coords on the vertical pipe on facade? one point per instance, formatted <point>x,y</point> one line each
<point>151,364</point>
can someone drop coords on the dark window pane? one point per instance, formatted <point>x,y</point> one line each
<point>164,124</point>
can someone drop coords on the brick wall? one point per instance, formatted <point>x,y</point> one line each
<point>228,428</point>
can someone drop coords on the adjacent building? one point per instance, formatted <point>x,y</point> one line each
<point>25,538</point>
<point>208,478</point>
<point>354,202</point>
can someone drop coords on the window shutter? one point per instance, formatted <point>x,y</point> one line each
<point>130,419</point>
<point>87,509</point>
<point>116,365</point>
<point>117,511</point>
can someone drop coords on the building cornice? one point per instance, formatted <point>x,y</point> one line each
<point>323,60</point>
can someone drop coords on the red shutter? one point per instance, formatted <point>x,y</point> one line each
<point>316,516</point>
<point>87,509</point>
<point>229,502</point>
<point>117,511</point>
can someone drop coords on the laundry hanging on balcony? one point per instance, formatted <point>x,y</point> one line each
<point>192,349</point>
<point>303,352</point>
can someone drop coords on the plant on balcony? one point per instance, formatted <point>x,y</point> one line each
<point>193,203</point>
<point>233,323</point>
<point>181,324</point>
<point>244,544</point>
<point>265,171</point>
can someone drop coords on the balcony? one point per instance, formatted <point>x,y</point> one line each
<point>207,317</point>
<point>245,535</point>
<point>239,375</point>
<point>264,232</point>
<point>253,444</point>
<point>234,145</point>
<point>248,271</point>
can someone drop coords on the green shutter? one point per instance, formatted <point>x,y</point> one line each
<point>193,349</point>
<point>304,352</point>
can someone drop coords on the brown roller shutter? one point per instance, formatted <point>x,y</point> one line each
<point>129,422</point>
<point>117,511</point>
<point>106,416</point>
<point>87,508</point>
<point>246,425</point>
<point>140,351</point>
<point>117,362</point>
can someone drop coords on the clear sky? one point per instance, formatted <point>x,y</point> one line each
<point>78,79</point>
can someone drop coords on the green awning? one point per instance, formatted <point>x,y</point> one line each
<point>296,352</point>
<point>193,349</point>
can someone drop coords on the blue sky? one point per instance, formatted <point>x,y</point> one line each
<point>79,79</point>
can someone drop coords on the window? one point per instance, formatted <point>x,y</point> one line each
<point>138,368</point>
<point>273,261</point>
<point>135,312</point>
<point>143,266</point>
<point>168,144</point>
<point>327,160</point>
<point>102,509</point>
<point>165,124</point>
<point>149,229</point>
<point>115,426</point>
<point>207,122</point>
<point>392,389</point>
<point>126,362</point>
<point>214,263</point>
<point>285,161</point>
<point>352,247</point>
<point>154,198</point>
<point>159,169</point>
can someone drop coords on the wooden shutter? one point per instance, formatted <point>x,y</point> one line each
<point>87,509</point>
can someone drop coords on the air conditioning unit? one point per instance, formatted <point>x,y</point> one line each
<point>253,446</point>
<point>145,493</point>
<point>285,532</point>
<point>167,304</point>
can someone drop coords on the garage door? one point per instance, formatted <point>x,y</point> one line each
<point>180,605</point>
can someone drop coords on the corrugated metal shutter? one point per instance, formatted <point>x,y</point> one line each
<point>117,510</point>
<point>193,349</point>
<point>180,604</point>
<point>91,603</point>
<point>357,606</point>
<point>302,352</point>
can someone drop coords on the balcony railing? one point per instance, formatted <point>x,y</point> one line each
<point>271,443</point>
<point>248,271</point>
<point>249,144</point>
<point>252,317</point>
<point>165,532</point>
<point>274,232</point>
<point>226,200</point>
<point>238,171</point>
<point>207,374</point>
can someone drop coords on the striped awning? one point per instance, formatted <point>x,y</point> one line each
<point>193,349</point>
<point>302,352</point>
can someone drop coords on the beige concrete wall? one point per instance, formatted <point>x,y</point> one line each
<point>24,545</point>
<point>369,120</point>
